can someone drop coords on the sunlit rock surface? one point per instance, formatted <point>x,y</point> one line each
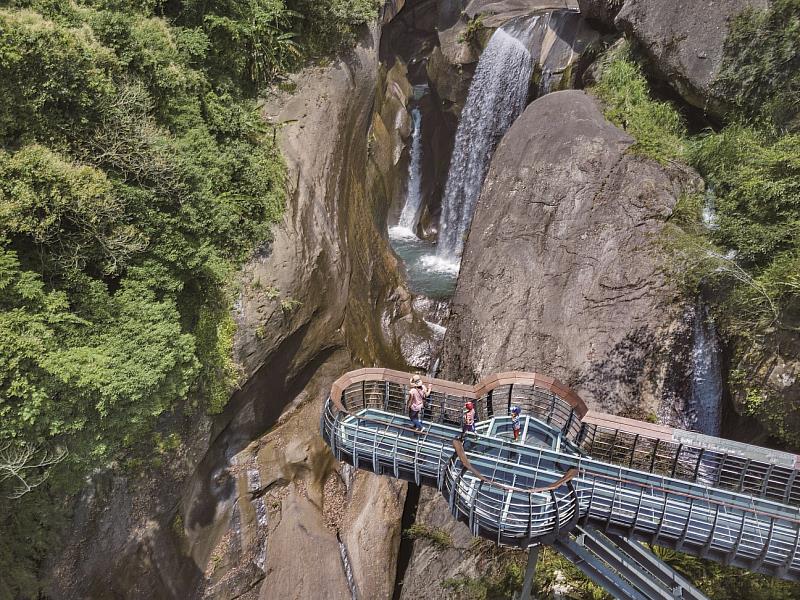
<point>561,272</point>
<point>684,40</point>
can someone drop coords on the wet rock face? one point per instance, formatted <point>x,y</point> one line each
<point>560,273</point>
<point>330,255</point>
<point>770,368</point>
<point>432,564</point>
<point>684,40</point>
<point>601,11</point>
<point>296,509</point>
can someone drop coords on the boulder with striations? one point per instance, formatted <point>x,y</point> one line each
<point>561,271</point>
<point>561,275</point>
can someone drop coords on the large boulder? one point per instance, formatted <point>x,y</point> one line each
<point>561,271</point>
<point>684,41</point>
<point>561,275</point>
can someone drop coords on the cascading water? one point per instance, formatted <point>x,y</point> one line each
<point>710,209</point>
<point>496,97</point>
<point>410,214</point>
<point>706,401</point>
<point>412,250</point>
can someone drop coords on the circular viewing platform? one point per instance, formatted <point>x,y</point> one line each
<point>571,467</point>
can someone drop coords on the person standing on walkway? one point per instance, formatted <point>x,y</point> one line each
<point>416,401</point>
<point>515,427</point>
<point>469,419</point>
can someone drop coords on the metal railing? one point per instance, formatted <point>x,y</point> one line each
<point>521,494</point>
<point>685,455</point>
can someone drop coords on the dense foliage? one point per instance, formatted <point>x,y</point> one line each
<point>656,127</point>
<point>761,71</point>
<point>502,572</point>
<point>741,238</point>
<point>136,174</point>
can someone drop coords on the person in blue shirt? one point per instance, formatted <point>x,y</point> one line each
<point>515,427</point>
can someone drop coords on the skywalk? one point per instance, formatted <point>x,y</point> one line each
<point>572,469</point>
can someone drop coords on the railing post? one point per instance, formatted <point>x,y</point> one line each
<point>530,574</point>
<point>697,466</point>
<point>655,453</point>
<point>675,462</point>
<point>355,445</point>
<point>633,450</point>
<point>334,436</point>
<point>568,424</point>
<point>763,491</point>
<point>557,527</point>
<point>789,484</point>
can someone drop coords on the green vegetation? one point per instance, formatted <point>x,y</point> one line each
<point>503,571</point>
<point>471,34</point>
<point>726,583</point>
<point>437,535</point>
<point>136,175</point>
<point>656,126</point>
<point>761,71</point>
<point>750,256</point>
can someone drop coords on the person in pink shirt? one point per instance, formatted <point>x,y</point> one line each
<point>416,401</point>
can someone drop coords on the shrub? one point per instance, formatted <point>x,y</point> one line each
<point>761,68</point>
<point>656,126</point>
<point>437,535</point>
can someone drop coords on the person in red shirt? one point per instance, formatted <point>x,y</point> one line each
<point>468,424</point>
<point>515,426</point>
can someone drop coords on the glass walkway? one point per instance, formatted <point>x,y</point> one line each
<point>573,471</point>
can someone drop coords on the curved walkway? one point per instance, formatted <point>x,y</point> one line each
<point>730,502</point>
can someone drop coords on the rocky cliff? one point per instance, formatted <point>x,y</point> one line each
<point>683,40</point>
<point>561,275</point>
<point>230,518</point>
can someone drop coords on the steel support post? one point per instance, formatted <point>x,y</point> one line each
<point>530,574</point>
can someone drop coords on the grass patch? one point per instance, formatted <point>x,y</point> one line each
<point>657,127</point>
<point>437,535</point>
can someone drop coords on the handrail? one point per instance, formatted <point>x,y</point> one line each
<point>569,475</point>
<point>469,392</point>
<point>669,499</point>
<point>384,424</point>
<point>590,419</point>
<point>462,456</point>
<point>459,449</point>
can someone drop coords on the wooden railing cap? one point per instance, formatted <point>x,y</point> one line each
<point>468,392</point>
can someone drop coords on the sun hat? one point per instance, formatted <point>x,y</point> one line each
<point>516,410</point>
<point>416,381</point>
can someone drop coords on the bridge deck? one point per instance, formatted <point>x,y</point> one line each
<point>535,492</point>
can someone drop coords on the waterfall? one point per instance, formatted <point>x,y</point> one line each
<point>706,397</point>
<point>496,97</point>
<point>709,214</point>
<point>410,214</point>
